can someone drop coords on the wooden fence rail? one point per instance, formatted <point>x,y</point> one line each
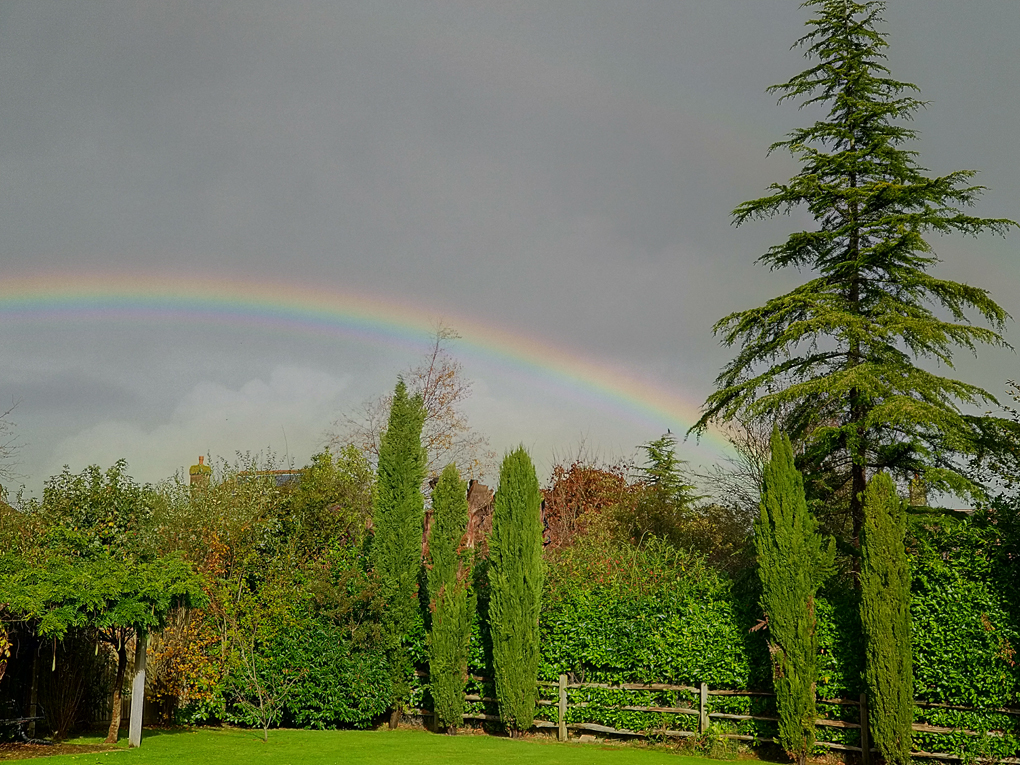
<point>704,717</point>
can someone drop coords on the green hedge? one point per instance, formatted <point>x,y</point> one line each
<point>673,621</point>
<point>965,631</point>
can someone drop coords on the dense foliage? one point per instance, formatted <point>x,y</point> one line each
<point>398,518</point>
<point>302,609</point>
<point>793,561</point>
<point>965,625</point>
<point>516,577</point>
<point>97,570</point>
<point>885,617</point>
<point>451,599</point>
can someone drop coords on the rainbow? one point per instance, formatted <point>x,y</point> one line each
<point>305,309</point>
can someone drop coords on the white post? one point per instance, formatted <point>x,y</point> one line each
<point>138,693</point>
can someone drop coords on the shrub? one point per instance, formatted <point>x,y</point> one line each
<point>515,589</point>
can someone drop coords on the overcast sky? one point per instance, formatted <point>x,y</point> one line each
<point>561,170</point>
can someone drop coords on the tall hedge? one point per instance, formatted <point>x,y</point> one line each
<point>793,561</point>
<point>451,600</point>
<point>398,517</point>
<point>885,616</point>
<point>516,578</point>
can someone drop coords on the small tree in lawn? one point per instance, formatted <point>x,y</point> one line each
<point>793,560</point>
<point>398,518</point>
<point>516,577</point>
<point>261,680</point>
<point>885,615</point>
<point>450,598</point>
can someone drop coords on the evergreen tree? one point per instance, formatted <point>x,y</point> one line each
<point>885,616</point>
<point>515,589</point>
<point>450,598</point>
<point>398,517</point>
<point>793,561</point>
<point>663,506</point>
<point>663,471</point>
<point>834,360</point>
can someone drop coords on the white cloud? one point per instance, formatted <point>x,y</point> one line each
<point>286,413</point>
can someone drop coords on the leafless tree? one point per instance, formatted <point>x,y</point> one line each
<point>9,446</point>
<point>447,435</point>
<point>736,482</point>
<point>265,692</point>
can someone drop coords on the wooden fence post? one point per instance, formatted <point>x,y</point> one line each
<point>703,709</point>
<point>865,737</point>
<point>562,709</point>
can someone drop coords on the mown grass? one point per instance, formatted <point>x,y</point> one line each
<point>306,747</point>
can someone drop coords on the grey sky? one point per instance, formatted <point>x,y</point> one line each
<point>560,169</point>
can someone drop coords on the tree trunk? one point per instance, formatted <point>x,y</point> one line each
<point>33,693</point>
<point>859,484</point>
<point>394,718</point>
<point>111,736</point>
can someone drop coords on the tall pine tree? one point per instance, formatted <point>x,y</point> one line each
<point>451,600</point>
<point>885,616</point>
<point>835,359</point>
<point>398,518</point>
<point>516,576</point>
<point>793,561</point>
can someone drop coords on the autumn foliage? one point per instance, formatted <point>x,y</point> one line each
<point>577,494</point>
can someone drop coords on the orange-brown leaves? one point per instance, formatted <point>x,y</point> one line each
<point>576,494</point>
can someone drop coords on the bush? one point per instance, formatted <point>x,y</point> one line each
<point>340,684</point>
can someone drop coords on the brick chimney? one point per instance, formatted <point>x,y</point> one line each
<point>200,474</point>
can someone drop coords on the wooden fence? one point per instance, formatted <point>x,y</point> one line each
<point>704,717</point>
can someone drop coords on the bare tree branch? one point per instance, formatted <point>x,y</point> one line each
<point>9,446</point>
<point>447,436</point>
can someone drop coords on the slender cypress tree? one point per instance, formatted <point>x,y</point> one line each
<point>398,518</point>
<point>834,360</point>
<point>450,598</point>
<point>885,615</point>
<point>793,561</point>
<point>516,576</point>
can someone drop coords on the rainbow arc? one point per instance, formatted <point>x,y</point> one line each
<point>306,309</point>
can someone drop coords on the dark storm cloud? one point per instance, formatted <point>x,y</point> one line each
<point>564,169</point>
<point>59,395</point>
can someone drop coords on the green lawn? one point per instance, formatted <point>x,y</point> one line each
<point>303,747</point>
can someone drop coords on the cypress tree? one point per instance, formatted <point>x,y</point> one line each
<point>450,598</point>
<point>515,589</point>
<point>398,517</point>
<point>834,360</point>
<point>885,616</point>
<point>793,560</point>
